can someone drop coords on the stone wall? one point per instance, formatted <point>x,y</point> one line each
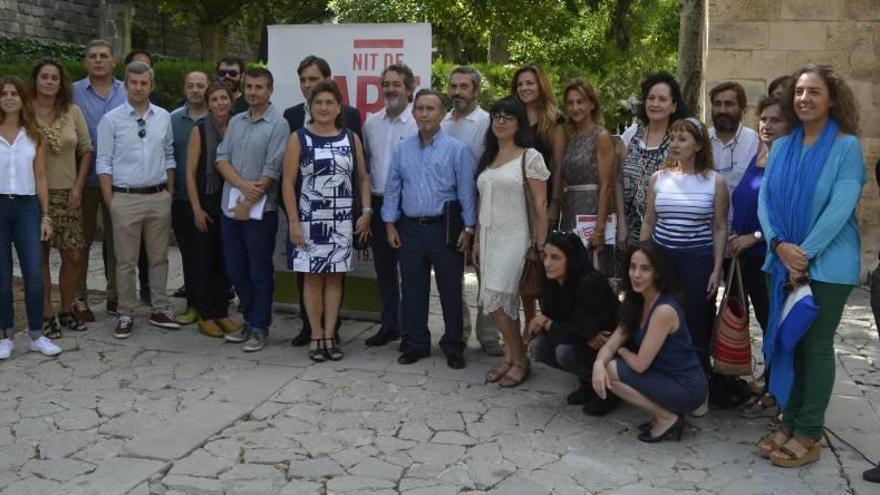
<point>754,41</point>
<point>76,21</point>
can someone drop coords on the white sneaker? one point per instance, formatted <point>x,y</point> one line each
<point>6,346</point>
<point>45,346</point>
<point>702,410</point>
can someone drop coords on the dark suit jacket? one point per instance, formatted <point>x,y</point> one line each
<point>295,117</point>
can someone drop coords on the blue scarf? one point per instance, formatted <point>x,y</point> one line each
<point>791,184</point>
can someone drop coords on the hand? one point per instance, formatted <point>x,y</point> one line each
<point>712,286</point>
<point>794,259</point>
<point>202,220</point>
<point>251,191</point>
<point>622,236</point>
<point>740,243</point>
<point>45,231</point>
<point>362,225</point>
<point>242,211</point>
<point>600,379</point>
<point>464,241</point>
<point>535,326</point>
<point>296,234</point>
<point>475,254</point>
<point>597,240</point>
<point>74,199</point>
<point>392,235</point>
<point>598,341</point>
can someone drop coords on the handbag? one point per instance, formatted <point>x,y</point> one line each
<point>532,280</point>
<point>453,224</point>
<point>731,341</point>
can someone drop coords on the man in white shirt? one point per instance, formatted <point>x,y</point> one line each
<point>135,165</point>
<point>733,146</point>
<point>468,123</point>
<point>383,131</point>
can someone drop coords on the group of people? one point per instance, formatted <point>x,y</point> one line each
<point>430,189</point>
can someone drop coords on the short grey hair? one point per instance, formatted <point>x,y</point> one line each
<point>139,68</point>
<point>468,71</point>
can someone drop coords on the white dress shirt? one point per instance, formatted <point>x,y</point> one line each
<point>470,130</point>
<point>733,158</point>
<point>17,165</point>
<point>131,160</point>
<point>381,136</point>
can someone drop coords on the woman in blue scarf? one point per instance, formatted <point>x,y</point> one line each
<point>807,207</point>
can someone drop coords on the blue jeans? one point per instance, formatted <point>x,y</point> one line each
<point>248,247</point>
<point>693,267</point>
<point>424,247</point>
<point>20,225</point>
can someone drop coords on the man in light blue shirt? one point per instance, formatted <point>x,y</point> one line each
<point>135,164</point>
<point>96,94</point>
<point>428,171</point>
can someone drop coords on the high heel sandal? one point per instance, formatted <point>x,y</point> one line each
<point>796,452</point>
<point>495,374</point>
<point>772,442</point>
<point>673,432</point>
<point>51,327</point>
<point>69,321</point>
<point>510,381</point>
<point>334,352</point>
<point>318,354</point>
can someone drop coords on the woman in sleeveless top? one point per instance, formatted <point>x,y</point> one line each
<point>687,216</point>
<point>588,169</point>
<point>647,144</point>
<point>204,186</point>
<point>66,135</point>
<point>319,167</point>
<point>662,374</point>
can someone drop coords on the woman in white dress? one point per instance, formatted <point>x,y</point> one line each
<point>503,236</point>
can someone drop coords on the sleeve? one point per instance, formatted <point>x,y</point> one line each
<point>168,145</point>
<point>104,156</point>
<point>223,151</point>
<point>595,311</point>
<point>535,166</point>
<point>763,205</point>
<point>845,195</point>
<point>275,150</point>
<point>628,134</point>
<point>467,194</point>
<point>393,184</point>
<point>83,140</point>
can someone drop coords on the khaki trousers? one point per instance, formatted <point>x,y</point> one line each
<point>91,201</point>
<point>136,217</point>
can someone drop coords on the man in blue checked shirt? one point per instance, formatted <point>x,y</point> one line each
<point>427,171</point>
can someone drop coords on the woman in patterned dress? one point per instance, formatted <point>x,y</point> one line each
<point>319,166</point>
<point>587,168</point>
<point>647,143</point>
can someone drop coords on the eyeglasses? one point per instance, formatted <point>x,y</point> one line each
<point>227,72</point>
<point>142,124</point>
<point>503,118</point>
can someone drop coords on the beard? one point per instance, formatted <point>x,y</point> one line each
<point>395,103</point>
<point>724,122</point>
<point>460,104</point>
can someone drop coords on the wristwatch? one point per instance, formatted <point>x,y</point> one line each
<point>758,235</point>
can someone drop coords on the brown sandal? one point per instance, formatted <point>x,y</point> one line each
<point>510,381</point>
<point>495,374</point>
<point>796,452</point>
<point>772,442</point>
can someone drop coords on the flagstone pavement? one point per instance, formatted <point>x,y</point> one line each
<point>173,412</point>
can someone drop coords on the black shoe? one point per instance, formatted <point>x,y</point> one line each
<point>582,395</point>
<point>410,357</point>
<point>455,361</point>
<point>673,431</point>
<point>601,407</point>
<point>180,293</point>
<point>872,475</point>
<point>646,426</point>
<point>382,337</point>
<point>304,337</point>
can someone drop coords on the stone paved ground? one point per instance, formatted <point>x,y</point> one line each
<point>177,413</point>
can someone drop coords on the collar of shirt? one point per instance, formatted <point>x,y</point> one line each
<point>17,137</point>
<point>132,112</point>
<point>471,116</point>
<point>182,113</point>
<point>116,86</point>
<point>404,116</point>
<point>269,115</point>
<point>713,136</point>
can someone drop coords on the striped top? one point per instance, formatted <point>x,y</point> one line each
<point>685,208</point>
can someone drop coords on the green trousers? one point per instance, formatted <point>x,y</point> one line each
<point>814,367</point>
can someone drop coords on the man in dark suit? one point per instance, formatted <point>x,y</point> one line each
<point>311,70</point>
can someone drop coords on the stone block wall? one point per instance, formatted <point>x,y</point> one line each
<point>754,41</point>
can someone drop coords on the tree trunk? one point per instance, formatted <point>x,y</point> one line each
<point>690,51</point>
<point>213,41</point>
<point>498,49</point>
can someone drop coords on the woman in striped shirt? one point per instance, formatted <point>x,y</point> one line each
<point>687,216</point>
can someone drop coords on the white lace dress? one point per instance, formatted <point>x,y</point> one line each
<point>504,231</point>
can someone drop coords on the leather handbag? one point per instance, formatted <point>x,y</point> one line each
<point>731,341</point>
<point>532,280</point>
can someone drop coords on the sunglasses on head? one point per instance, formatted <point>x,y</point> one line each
<point>227,72</point>
<point>142,124</point>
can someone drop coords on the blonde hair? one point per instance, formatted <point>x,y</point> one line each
<point>547,119</point>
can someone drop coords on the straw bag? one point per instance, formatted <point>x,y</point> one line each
<point>731,342</point>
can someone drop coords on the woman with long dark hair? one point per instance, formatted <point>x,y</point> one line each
<point>502,235</point>
<point>649,360</point>
<point>807,207</point>
<point>578,312</point>
<point>66,136</point>
<point>24,218</point>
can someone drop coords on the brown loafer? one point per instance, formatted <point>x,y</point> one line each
<point>210,328</point>
<point>227,326</point>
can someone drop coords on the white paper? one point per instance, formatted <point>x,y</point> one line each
<point>235,197</point>
<point>585,225</point>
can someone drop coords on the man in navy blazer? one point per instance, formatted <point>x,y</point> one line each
<point>311,70</point>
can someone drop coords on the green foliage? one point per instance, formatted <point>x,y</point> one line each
<point>26,50</point>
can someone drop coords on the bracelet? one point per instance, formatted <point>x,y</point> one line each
<point>367,209</point>
<point>47,219</point>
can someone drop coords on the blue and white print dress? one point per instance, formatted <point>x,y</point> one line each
<point>324,187</point>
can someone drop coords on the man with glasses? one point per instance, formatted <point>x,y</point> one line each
<point>135,164</point>
<point>230,70</point>
<point>733,145</point>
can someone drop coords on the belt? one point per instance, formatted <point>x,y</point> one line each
<point>582,187</point>
<point>424,220</point>
<point>141,190</point>
<point>13,197</point>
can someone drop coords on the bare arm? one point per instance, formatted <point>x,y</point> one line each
<point>288,192</point>
<point>538,188</point>
<point>650,219</point>
<point>557,142</point>
<point>42,187</point>
<point>605,159</point>
<point>362,226</point>
<point>193,155</point>
<point>663,322</point>
<point>719,231</point>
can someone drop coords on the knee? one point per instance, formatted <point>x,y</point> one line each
<point>611,370</point>
<point>566,357</point>
<point>540,349</point>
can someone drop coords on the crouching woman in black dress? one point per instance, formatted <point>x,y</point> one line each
<point>650,360</point>
<point>579,311</point>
